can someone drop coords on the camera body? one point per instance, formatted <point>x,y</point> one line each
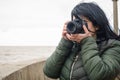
<point>76,26</point>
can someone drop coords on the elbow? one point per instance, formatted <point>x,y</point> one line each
<point>49,74</point>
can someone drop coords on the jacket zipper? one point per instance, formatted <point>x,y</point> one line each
<point>76,58</point>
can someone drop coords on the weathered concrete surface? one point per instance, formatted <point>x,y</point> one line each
<point>23,62</point>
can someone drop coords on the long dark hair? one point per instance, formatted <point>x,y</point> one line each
<point>96,15</point>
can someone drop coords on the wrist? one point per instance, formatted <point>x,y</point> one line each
<point>66,42</point>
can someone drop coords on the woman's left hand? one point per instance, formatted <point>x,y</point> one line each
<point>80,36</point>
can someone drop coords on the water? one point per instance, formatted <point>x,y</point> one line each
<point>11,54</point>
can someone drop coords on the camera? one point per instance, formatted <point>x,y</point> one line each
<point>76,26</point>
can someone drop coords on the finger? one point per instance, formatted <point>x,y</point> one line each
<point>74,35</point>
<point>65,26</point>
<point>85,29</point>
<point>64,32</point>
<point>68,36</point>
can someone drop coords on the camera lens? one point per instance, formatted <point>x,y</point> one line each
<point>71,27</point>
<point>74,27</point>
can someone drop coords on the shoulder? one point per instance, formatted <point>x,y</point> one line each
<point>114,42</point>
<point>111,44</point>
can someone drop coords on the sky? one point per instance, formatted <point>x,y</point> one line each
<point>39,22</point>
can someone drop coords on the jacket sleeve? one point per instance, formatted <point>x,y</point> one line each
<point>104,67</point>
<point>55,62</point>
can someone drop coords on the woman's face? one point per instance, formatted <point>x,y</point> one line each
<point>91,27</point>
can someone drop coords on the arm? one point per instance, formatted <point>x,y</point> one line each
<point>55,62</point>
<point>103,67</point>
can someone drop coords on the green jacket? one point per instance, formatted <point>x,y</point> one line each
<point>103,64</point>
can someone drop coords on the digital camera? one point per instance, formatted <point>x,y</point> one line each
<point>76,26</point>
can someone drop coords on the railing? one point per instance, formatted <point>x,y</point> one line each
<point>23,62</point>
<point>30,72</point>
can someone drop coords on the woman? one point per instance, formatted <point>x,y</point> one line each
<point>91,55</point>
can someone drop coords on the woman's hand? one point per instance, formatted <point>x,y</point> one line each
<point>80,36</point>
<point>64,32</point>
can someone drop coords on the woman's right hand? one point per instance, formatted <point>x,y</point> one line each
<point>64,32</point>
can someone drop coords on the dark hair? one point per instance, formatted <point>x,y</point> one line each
<point>96,15</point>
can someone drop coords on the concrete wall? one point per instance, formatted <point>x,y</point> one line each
<point>30,72</point>
<point>23,62</point>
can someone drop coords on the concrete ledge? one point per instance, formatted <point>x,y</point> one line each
<point>23,62</point>
<point>30,72</point>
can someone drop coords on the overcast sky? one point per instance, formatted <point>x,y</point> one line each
<point>39,22</point>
